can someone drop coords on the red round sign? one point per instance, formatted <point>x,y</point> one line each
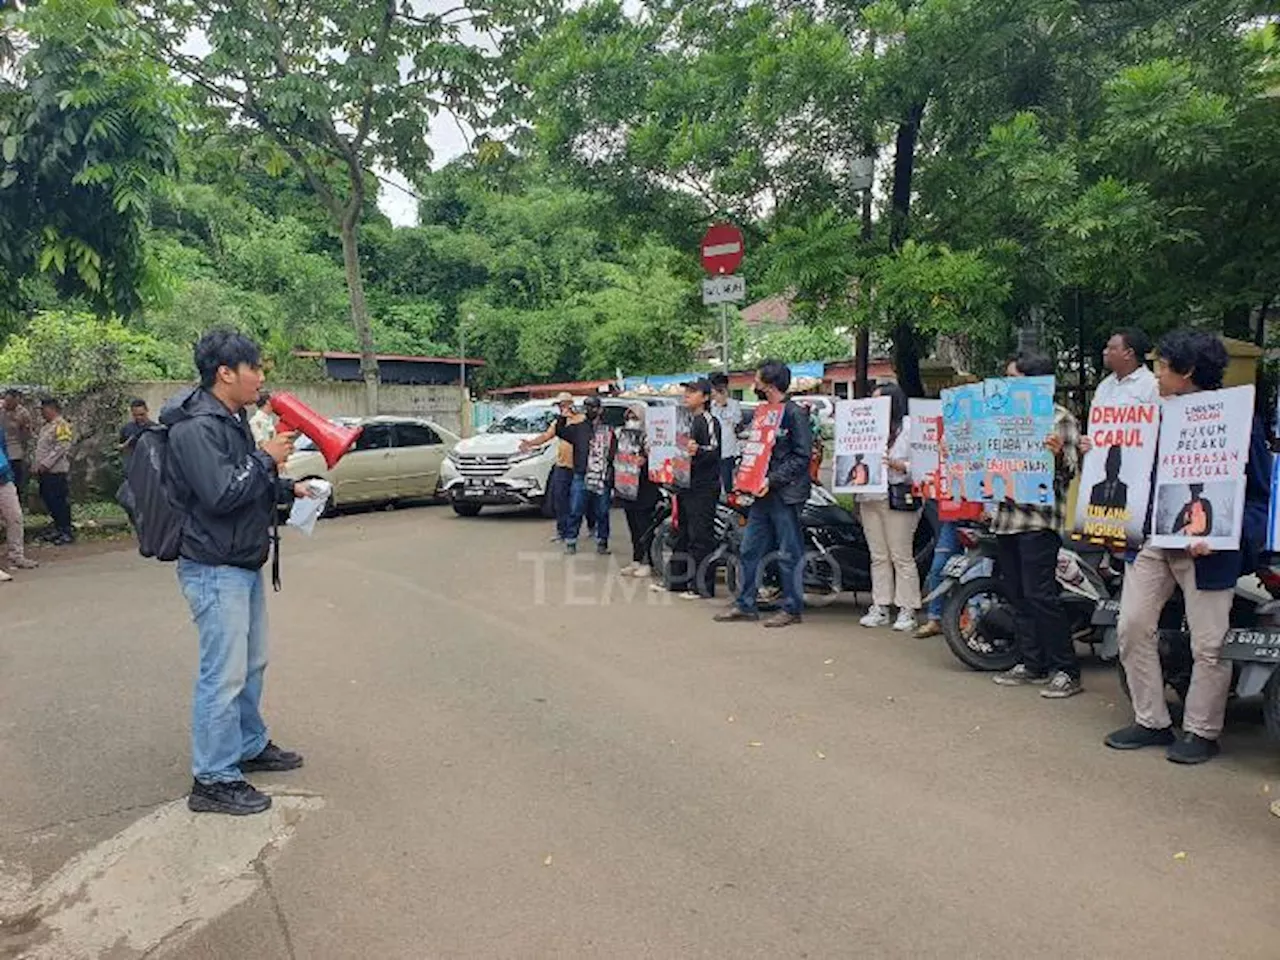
<point>722,249</point>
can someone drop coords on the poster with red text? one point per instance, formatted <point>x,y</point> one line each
<point>1204,448</point>
<point>668,459</point>
<point>628,461</point>
<point>926,430</point>
<point>753,468</point>
<point>862,439</point>
<point>1115,475</point>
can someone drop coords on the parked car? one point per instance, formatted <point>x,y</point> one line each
<point>490,469</point>
<point>395,458</point>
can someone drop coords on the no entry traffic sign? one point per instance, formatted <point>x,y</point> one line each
<point>722,249</point>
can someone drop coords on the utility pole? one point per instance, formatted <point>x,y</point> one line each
<point>724,334</point>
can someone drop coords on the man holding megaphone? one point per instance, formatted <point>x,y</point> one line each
<point>228,489</point>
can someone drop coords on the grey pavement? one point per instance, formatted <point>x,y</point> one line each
<point>510,755</point>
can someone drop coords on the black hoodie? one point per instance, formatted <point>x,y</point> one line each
<point>228,487</point>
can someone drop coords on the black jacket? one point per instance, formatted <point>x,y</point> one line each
<point>704,466</point>
<point>228,486</point>
<point>789,462</point>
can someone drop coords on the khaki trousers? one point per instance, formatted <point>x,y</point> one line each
<point>11,518</point>
<point>890,535</point>
<point>1148,584</point>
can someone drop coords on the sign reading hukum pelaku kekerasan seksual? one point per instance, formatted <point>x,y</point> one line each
<point>861,440</point>
<point>1115,475</point>
<point>1203,452</point>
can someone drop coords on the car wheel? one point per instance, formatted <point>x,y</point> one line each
<point>466,509</point>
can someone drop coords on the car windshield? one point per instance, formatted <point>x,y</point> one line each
<point>531,419</point>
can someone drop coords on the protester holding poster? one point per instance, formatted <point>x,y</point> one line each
<point>662,431</point>
<point>925,417</point>
<point>964,415</point>
<point>1028,536</point>
<point>688,573</point>
<point>1115,475</point>
<point>1207,479</point>
<point>639,494</point>
<point>773,523</point>
<point>889,522</point>
<point>862,437</point>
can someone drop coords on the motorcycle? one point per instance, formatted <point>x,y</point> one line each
<point>977,618</point>
<point>836,556</point>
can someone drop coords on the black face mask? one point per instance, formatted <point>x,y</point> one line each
<point>761,394</point>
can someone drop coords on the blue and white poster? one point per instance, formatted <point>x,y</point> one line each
<point>963,422</point>
<point>1019,417</point>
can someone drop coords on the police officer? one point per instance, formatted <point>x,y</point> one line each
<point>52,467</point>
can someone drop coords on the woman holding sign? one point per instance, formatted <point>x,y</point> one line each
<point>1193,440</point>
<point>889,521</point>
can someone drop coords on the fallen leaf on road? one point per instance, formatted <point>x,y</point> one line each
<point>755,743</point>
<point>731,718</point>
<point>821,755</point>
<point>1266,788</point>
<point>977,728</point>
<point>1275,808</point>
<point>828,675</point>
<point>828,661</point>
<point>890,699</point>
<point>1180,855</point>
<point>547,862</point>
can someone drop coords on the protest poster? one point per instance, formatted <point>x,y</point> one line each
<point>1273,509</point>
<point>628,461</point>
<point>753,468</point>
<point>963,420</point>
<point>662,427</point>
<point>1204,447</point>
<point>1115,475</point>
<point>861,440</point>
<point>1018,417</point>
<point>926,430</point>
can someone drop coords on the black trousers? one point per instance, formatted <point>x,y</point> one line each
<point>1029,566</point>
<point>639,516</point>
<point>19,476</point>
<point>695,541</point>
<point>56,495</point>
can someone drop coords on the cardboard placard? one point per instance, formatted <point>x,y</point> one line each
<point>1115,475</point>
<point>861,440</point>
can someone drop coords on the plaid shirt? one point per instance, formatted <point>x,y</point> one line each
<point>1014,518</point>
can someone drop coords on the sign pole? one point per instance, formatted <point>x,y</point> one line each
<point>724,333</point>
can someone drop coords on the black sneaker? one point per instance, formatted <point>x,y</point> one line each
<point>272,760</point>
<point>237,798</point>
<point>1137,736</point>
<point>602,548</point>
<point>1192,748</point>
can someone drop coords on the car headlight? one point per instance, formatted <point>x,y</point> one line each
<point>529,455</point>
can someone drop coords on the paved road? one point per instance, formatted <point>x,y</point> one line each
<point>510,757</point>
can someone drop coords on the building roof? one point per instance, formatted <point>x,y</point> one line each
<point>775,309</point>
<point>571,386</point>
<point>389,357</point>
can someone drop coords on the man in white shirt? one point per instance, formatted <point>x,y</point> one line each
<point>1130,380</point>
<point>729,412</point>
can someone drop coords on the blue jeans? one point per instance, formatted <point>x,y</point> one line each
<point>728,467</point>
<point>773,532</point>
<point>560,486</point>
<point>947,546</point>
<point>229,608</point>
<point>585,503</point>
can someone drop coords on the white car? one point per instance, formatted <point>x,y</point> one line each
<point>394,458</point>
<point>490,470</point>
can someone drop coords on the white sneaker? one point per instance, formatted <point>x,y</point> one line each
<point>628,571</point>
<point>906,621</point>
<point>642,571</point>
<point>4,577</point>
<point>877,616</point>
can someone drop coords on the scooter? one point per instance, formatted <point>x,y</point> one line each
<point>978,620</point>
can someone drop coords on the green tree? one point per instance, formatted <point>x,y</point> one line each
<point>88,125</point>
<point>338,88</point>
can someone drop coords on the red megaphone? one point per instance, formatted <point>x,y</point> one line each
<point>330,439</point>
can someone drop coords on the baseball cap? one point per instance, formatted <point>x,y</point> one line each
<point>564,396</point>
<point>702,385</point>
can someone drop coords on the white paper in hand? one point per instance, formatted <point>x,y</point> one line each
<point>306,510</point>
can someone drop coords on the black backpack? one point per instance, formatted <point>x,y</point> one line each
<point>156,515</point>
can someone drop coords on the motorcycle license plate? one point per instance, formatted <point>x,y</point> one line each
<point>1106,613</point>
<point>1242,644</point>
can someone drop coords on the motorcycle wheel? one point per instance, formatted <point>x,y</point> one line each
<point>661,548</point>
<point>962,616</point>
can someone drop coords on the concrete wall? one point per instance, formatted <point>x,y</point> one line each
<point>442,404</point>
